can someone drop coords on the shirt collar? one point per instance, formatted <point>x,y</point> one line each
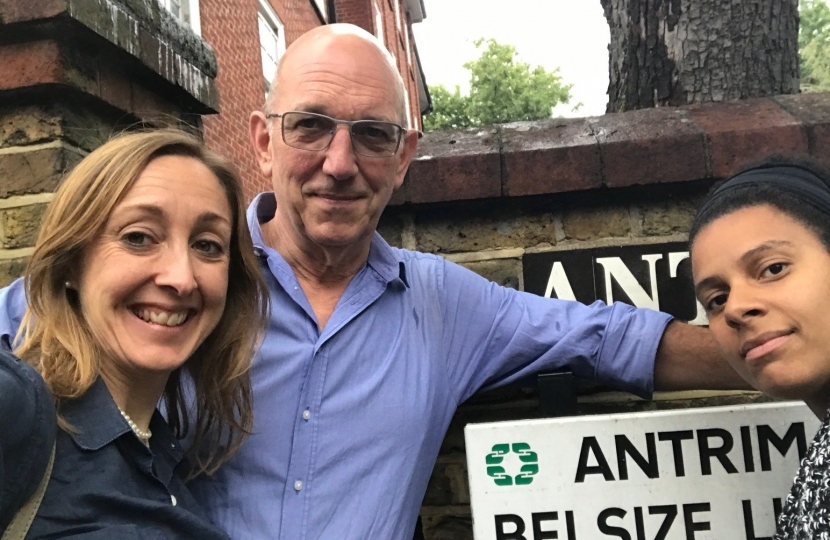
<point>383,258</point>
<point>93,418</point>
<point>95,421</point>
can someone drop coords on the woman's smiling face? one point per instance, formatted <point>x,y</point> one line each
<point>153,282</point>
<point>764,280</point>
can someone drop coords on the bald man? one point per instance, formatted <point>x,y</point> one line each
<point>370,348</point>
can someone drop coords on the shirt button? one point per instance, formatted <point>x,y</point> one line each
<point>173,500</point>
<point>298,485</point>
<point>306,414</point>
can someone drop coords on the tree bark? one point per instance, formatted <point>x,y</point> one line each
<point>674,52</point>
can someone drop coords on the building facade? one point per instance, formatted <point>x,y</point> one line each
<point>249,37</point>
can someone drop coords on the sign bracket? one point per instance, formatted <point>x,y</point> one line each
<point>557,393</point>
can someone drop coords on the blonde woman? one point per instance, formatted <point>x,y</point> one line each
<point>143,282</point>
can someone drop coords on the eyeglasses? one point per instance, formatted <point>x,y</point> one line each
<point>314,132</point>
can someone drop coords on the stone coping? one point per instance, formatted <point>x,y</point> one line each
<point>643,147</point>
<point>141,28</point>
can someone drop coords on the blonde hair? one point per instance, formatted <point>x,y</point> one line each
<point>57,341</point>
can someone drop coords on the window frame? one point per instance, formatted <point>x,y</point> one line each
<point>267,13</point>
<point>188,13</point>
<point>378,19</point>
<point>322,8</point>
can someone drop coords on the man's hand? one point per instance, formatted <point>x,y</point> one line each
<point>688,359</point>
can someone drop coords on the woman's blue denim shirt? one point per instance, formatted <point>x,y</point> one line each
<point>105,483</point>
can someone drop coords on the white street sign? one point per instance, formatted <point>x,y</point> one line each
<point>719,473</point>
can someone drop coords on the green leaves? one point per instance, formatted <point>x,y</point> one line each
<point>814,45</point>
<point>502,89</point>
<point>449,109</point>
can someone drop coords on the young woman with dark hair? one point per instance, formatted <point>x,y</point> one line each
<point>760,250</point>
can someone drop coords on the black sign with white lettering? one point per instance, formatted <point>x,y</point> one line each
<point>656,276</point>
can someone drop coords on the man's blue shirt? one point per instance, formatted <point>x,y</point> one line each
<point>349,421</point>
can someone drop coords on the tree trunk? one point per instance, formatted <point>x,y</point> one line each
<point>674,52</point>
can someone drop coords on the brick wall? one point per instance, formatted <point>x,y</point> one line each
<point>357,12</point>
<point>485,197</point>
<point>411,79</point>
<point>298,16</point>
<point>396,42</point>
<point>81,78</point>
<point>231,27</point>
<point>361,13</point>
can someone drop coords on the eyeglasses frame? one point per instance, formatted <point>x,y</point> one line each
<point>401,133</point>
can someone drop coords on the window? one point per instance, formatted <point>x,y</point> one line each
<point>409,109</point>
<point>398,15</point>
<point>186,11</point>
<point>271,40</point>
<point>321,7</point>
<point>408,48</point>
<point>378,22</point>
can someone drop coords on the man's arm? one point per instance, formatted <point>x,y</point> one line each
<point>688,359</point>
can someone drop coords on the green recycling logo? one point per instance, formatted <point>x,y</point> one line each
<point>529,459</point>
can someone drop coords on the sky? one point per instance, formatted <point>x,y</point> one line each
<point>571,35</point>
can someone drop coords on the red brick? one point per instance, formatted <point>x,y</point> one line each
<point>650,146</point>
<point>13,11</point>
<point>455,165</point>
<point>357,12</point>
<point>31,64</point>
<point>550,156</point>
<point>813,111</point>
<point>115,88</point>
<point>230,26</point>
<point>151,107</point>
<point>743,131</point>
<point>399,196</point>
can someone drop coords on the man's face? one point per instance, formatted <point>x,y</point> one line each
<point>333,198</point>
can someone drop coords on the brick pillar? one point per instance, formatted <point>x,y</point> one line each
<point>73,72</point>
<point>357,12</point>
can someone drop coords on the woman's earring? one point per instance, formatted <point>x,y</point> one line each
<point>68,285</point>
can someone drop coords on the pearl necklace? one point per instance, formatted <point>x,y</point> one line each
<point>141,434</point>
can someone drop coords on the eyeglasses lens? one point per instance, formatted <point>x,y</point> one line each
<point>375,138</point>
<point>309,131</point>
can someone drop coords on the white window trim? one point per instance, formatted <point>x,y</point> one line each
<point>192,9</point>
<point>378,22</point>
<point>322,6</point>
<point>398,14</point>
<point>408,48</point>
<point>412,124</point>
<point>274,20</point>
<point>195,17</point>
<point>266,9</point>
